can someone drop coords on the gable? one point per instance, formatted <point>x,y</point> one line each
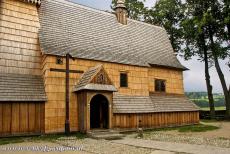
<point>101,78</point>
<point>95,78</point>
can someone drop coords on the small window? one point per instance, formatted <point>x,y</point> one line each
<point>160,85</point>
<point>59,60</point>
<point>123,80</point>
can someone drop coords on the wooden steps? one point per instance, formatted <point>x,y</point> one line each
<point>105,134</point>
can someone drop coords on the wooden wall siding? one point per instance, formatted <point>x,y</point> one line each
<point>19,45</point>
<point>155,120</point>
<point>174,79</point>
<point>21,118</point>
<point>138,77</point>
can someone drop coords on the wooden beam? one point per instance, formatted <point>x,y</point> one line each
<point>64,70</point>
<point>67,124</point>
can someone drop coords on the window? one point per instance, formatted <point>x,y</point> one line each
<point>160,85</point>
<point>59,60</point>
<point>123,80</point>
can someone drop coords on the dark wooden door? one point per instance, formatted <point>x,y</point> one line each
<point>99,112</point>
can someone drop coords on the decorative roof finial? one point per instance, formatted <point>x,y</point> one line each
<point>121,12</point>
<point>120,4</point>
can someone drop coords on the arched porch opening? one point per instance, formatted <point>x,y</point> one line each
<point>99,112</point>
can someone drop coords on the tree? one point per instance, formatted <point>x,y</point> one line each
<point>216,34</point>
<point>226,22</point>
<point>209,15</point>
<point>195,45</point>
<point>168,14</point>
<point>226,16</point>
<point>135,8</point>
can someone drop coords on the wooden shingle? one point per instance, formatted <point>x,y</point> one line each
<point>20,87</point>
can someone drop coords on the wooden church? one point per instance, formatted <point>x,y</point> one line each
<point>69,67</point>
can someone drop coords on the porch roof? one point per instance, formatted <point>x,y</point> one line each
<point>152,103</point>
<point>99,87</point>
<point>21,87</point>
<point>85,81</point>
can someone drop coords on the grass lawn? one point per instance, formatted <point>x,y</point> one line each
<point>48,138</point>
<point>11,140</point>
<point>209,120</point>
<point>216,108</point>
<point>191,128</point>
<point>198,128</point>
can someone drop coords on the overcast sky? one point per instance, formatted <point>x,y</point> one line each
<point>194,79</point>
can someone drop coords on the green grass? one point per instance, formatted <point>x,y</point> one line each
<point>11,140</point>
<point>223,138</point>
<point>198,128</point>
<point>216,108</point>
<point>53,137</point>
<point>190,128</point>
<point>48,138</point>
<point>209,120</point>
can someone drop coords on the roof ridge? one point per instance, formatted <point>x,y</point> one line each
<point>71,3</point>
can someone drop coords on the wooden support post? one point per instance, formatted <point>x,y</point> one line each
<point>67,124</point>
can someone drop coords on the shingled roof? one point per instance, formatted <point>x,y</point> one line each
<point>19,87</point>
<point>84,82</point>
<point>88,33</point>
<point>152,103</point>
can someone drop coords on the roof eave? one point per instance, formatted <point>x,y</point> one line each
<point>182,68</point>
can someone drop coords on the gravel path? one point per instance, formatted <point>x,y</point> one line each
<point>222,132</point>
<point>103,146</point>
<point>89,146</point>
<point>218,138</point>
<point>175,147</point>
<point>189,139</point>
<point>42,145</point>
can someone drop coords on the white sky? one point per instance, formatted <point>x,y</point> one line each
<point>194,79</point>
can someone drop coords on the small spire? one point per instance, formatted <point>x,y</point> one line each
<point>120,4</point>
<point>121,12</point>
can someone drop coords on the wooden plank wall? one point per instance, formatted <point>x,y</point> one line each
<point>155,120</point>
<point>19,46</point>
<point>21,118</point>
<point>173,78</point>
<point>138,77</point>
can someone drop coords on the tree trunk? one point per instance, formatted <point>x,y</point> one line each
<point>224,86</point>
<point>207,78</point>
<point>209,86</point>
<point>228,27</point>
<point>227,13</point>
<point>221,75</point>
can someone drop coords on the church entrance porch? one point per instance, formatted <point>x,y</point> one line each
<point>94,99</point>
<point>94,110</point>
<point>99,112</point>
